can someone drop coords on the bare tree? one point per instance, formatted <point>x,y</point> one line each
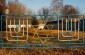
<point>70,10</point>
<point>44,11</point>
<point>18,9</point>
<point>2,6</point>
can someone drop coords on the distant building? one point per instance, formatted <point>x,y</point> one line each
<point>82,24</point>
<point>41,26</point>
<point>21,26</point>
<point>55,25</point>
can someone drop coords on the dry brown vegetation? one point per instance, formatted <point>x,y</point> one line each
<point>45,33</point>
<point>42,51</point>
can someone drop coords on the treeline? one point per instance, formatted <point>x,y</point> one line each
<point>18,8</point>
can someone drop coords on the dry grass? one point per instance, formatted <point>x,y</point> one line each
<point>54,33</point>
<point>44,34</point>
<point>42,52</point>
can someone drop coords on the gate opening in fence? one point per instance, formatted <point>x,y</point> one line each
<point>37,31</point>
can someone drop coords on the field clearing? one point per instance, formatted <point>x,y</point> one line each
<point>46,33</point>
<point>53,32</point>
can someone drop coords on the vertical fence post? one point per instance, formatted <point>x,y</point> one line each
<point>1,39</point>
<point>83,30</point>
<point>68,29</point>
<point>17,31</point>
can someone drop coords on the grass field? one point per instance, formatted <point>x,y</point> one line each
<point>49,34</point>
<point>36,35</point>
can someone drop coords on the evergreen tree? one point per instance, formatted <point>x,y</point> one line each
<point>34,21</point>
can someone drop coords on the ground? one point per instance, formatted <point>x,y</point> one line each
<point>42,52</point>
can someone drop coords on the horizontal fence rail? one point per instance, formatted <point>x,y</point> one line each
<point>52,31</point>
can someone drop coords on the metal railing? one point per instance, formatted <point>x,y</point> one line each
<point>20,33</point>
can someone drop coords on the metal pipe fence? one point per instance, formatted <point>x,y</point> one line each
<point>17,31</point>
